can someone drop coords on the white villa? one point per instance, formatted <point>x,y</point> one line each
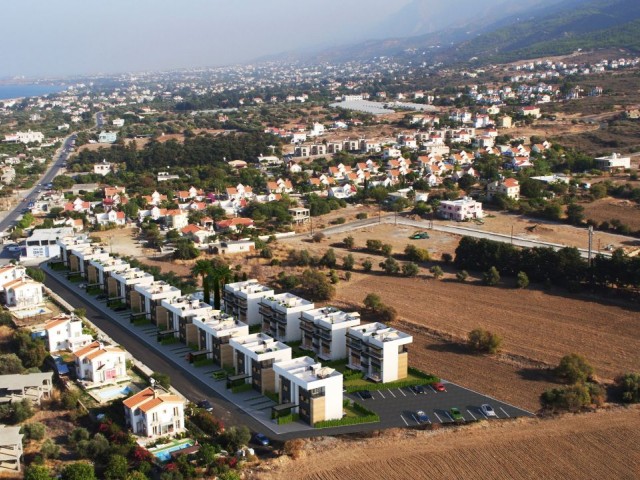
<point>152,413</point>
<point>97,364</point>
<point>65,333</point>
<point>462,209</point>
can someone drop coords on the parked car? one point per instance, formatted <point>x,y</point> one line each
<point>456,415</point>
<point>487,410</point>
<point>418,389</point>
<point>439,387</point>
<point>261,439</point>
<point>365,394</point>
<point>422,417</point>
<point>205,405</point>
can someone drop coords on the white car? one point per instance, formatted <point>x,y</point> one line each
<point>487,410</point>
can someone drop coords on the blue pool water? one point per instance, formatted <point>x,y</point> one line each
<point>113,392</point>
<point>165,455</point>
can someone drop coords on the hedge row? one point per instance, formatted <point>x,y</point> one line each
<point>292,417</point>
<point>245,387</point>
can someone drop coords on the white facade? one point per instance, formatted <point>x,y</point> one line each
<point>280,316</point>
<point>152,295</point>
<point>152,413</point>
<point>9,273</point>
<point>254,356</point>
<point>214,332</point>
<point>43,242</point>
<point>613,162</point>
<point>103,269</point>
<point>462,209</point>
<point>65,334</point>
<point>25,137</point>
<point>24,293</point>
<point>315,391</point>
<point>83,255</point>
<point>379,351</point>
<point>97,364</point>
<point>324,331</point>
<point>127,279</point>
<point>242,300</point>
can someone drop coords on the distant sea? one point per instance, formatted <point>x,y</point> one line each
<point>19,91</point>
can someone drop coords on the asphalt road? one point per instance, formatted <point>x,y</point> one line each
<point>48,177</point>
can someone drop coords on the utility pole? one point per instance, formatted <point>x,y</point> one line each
<point>590,230</point>
<point>512,234</point>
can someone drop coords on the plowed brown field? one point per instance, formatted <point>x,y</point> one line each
<point>598,445</point>
<point>536,325</point>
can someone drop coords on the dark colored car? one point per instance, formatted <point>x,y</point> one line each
<point>365,394</point>
<point>418,389</point>
<point>205,405</point>
<point>261,439</point>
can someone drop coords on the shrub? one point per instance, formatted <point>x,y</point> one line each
<point>348,262</point>
<point>386,249</point>
<point>37,472</point>
<point>318,237</point>
<point>235,437</point>
<point>390,266</point>
<point>361,216</point>
<point>388,314</point>
<point>10,363</point>
<point>522,280</point>
<point>316,285</point>
<point>347,276</point>
<point>266,252</point>
<point>447,258</point>
<point>34,431</point>
<point>373,302</point>
<point>300,258</point>
<point>339,221</point>
<point>293,448</point>
<point>367,265</point>
<point>16,412</point>
<point>36,274</point>
<point>349,242</point>
<point>69,399</point>
<point>481,340</point>
<point>410,269</point>
<point>437,272</point>
<point>574,368</point>
<point>116,468</point>
<point>570,398</point>
<point>629,385</point>
<point>78,471</point>
<point>416,254</point>
<point>49,449</point>
<point>491,277</point>
<point>374,246</point>
<point>162,378</point>
<point>333,277</point>
<point>329,259</point>
<point>462,275</point>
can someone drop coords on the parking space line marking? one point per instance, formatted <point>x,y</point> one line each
<point>505,412</point>
<point>413,392</point>
<point>381,394</point>
<point>482,413</point>
<point>414,418</point>
<point>439,419</point>
<point>402,392</point>
<point>450,417</point>
<point>474,417</point>
<point>432,389</point>
<point>393,394</point>
<point>405,422</point>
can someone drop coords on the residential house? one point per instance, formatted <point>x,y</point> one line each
<point>32,386</point>
<point>307,388</point>
<point>121,283</point>
<point>99,271</point>
<point>65,333</point>
<point>10,449</point>
<point>154,413</point>
<point>242,300</point>
<point>97,363</point>
<point>460,210</point>
<point>324,331</point>
<point>613,162</point>
<point>23,293</point>
<point>280,316</point>
<point>175,218</point>
<point>196,233</point>
<point>234,224</point>
<point>176,315</point>
<point>103,168</point>
<point>509,187</point>
<point>300,215</point>
<point>112,217</point>
<point>9,273</point>
<point>107,137</point>
<point>379,351</point>
<point>253,359</point>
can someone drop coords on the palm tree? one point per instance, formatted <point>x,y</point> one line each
<point>204,269</point>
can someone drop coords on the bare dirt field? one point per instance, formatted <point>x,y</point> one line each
<point>595,445</point>
<point>535,325</point>
<point>606,209</point>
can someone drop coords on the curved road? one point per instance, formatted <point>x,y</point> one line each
<point>48,177</point>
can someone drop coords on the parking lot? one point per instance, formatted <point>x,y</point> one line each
<point>397,407</point>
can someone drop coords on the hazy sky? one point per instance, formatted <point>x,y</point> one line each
<point>66,37</point>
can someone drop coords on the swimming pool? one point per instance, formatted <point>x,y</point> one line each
<point>110,393</point>
<point>164,455</point>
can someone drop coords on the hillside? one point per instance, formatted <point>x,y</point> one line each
<point>595,24</point>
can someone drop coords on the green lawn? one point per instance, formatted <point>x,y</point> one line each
<point>355,384</point>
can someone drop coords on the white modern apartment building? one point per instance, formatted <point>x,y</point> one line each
<point>379,351</point>
<point>121,283</point>
<point>462,209</point>
<point>324,331</point>
<point>280,316</point>
<point>308,389</point>
<point>80,256</point>
<point>613,162</point>
<point>253,359</point>
<point>99,271</point>
<point>69,242</point>
<point>177,314</point>
<point>98,363</point>
<point>242,300</point>
<point>214,332</point>
<point>65,333</point>
<point>147,298</point>
<point>153,412</point>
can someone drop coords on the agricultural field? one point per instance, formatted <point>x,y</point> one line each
<point>607,209</point>
<point>592,445</point>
